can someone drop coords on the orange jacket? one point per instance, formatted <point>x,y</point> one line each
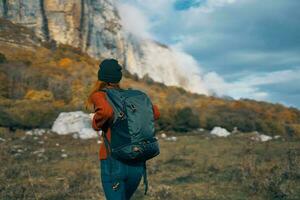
<point>103,113</point>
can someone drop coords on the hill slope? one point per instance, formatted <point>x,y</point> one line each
<point>40,79</point>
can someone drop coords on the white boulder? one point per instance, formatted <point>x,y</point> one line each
<point>265,138</point>
<point>276,137</point>
<point>76,122</point>
<point>220,132</point>
<point>260,137</point>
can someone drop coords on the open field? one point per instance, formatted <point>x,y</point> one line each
<point>196,166</point>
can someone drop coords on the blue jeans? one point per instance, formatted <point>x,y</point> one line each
<point>120,180</point>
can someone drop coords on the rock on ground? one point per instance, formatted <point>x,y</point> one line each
<point>76,122</point>
<point>219,131</point>
<point>261,137</point>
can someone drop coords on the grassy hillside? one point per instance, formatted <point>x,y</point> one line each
<point>39,80</point>
<point>197,166</point>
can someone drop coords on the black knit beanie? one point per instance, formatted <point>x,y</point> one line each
<point>110,71</point>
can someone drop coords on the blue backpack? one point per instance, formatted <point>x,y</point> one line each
<point>132,129</point>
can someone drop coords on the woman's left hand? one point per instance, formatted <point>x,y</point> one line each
<point>91,115</point>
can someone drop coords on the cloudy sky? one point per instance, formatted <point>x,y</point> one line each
<point>245,48</point>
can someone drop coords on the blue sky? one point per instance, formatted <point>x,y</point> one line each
<point>187,4</point>
<point>245,48</point>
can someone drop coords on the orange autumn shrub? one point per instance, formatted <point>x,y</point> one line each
<point>65,62</point>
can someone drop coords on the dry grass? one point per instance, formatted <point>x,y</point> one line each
<point>194,167</point>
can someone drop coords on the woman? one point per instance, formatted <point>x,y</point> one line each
<point>119,180</point>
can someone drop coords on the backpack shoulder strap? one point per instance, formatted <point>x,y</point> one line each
<point>114,99</point>
<point>145,178</point>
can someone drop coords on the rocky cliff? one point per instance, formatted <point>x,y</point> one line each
<point>95,27</point>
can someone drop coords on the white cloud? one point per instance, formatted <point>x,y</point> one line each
<point>135,16</point>
<point>273,77</point>
<point>231,38</point>
<point>133,20</point>
<point>249,86</point>
<point>216,84</point>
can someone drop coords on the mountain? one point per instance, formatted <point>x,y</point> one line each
<point>95,28</point>
<point>47,68</point>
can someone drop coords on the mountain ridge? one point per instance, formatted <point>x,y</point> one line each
<point>95,27</point>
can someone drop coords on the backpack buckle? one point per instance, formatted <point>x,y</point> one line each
<point>133,108</point>
<point>136,149</point>
<point>121,115</point>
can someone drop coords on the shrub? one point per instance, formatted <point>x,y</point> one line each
<point>181,120</point>
<point>165,121</point>
<point>128,74</point>
<point>213,121</point>
<point>65,62</point>
<point>276,128</point>
<point>2,58</point>
<point>147,79</point>
<point>4,85</point>
<point>60,88</point>
<point>39,95</point>
<point>185,119</point>
<point>293,130</point>
<point>28,114</point>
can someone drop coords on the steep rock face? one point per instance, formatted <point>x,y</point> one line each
<point>95,27</point>
<point>91,25</point>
